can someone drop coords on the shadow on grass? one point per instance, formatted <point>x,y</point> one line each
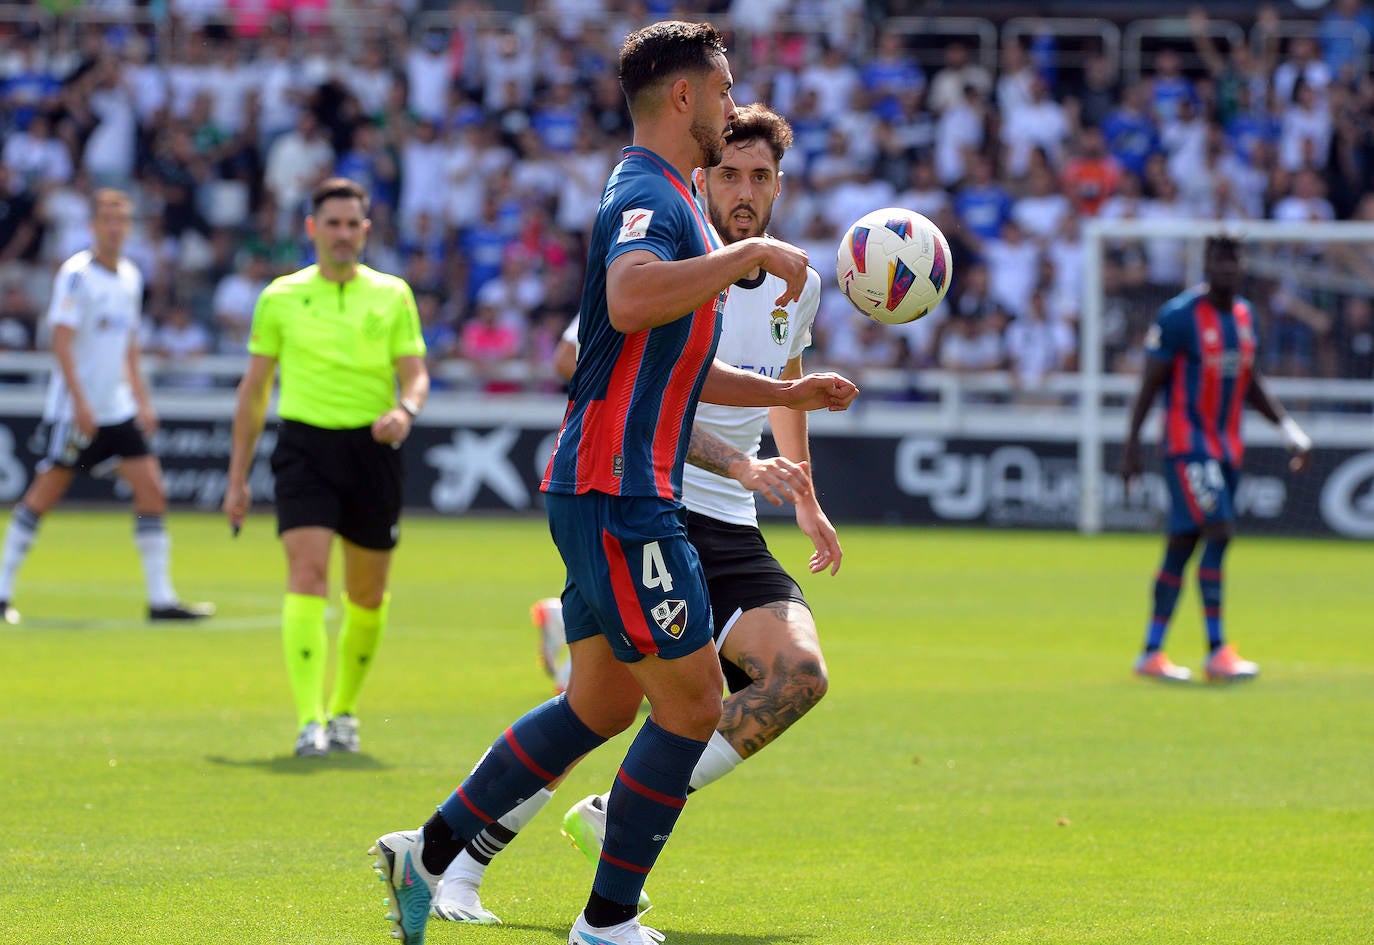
<point>301,767</point>
<point>686,938</point>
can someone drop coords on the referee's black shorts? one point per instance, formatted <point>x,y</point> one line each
<point>342,480</point>
<point>741,574</point>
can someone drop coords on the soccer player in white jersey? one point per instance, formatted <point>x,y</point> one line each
<point>765,634</point>
<point>98,410</point>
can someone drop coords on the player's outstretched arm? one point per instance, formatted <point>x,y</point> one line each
<point>250,413</point>
<point>731,386</point>
<point>1297,442</point>
<point>778,479</point>
<point>644,291</point>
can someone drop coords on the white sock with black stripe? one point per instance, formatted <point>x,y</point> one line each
<point>19,537</point>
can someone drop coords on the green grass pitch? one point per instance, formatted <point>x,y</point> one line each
<point>984,770</point>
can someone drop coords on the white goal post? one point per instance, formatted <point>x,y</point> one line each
<point>1100,423</point>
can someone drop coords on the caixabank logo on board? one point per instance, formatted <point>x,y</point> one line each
<point>1347,501</point>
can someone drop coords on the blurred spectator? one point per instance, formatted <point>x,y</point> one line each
<point>1130,131</point>
<point>1013,263</point>
<point>235,297</point>
<point>972,344</point>
<point>490,344</point>
<point>35,156</point>
<point>1039,124</point>
<point>1170,88</point>
<point>1097,94</point>
<point>1091,175</point>
<point>1037,346</point>
<point>1307,203</point>
<point>960,132</point>
<point>923,193</point>
<point>957,75</point>
<point>890,74</point>
<point>1042,210</point>
<point>833,79</point>
<point>1345,33</point>
<point>1302,64</point>
<point>441,339</point>
<point>423,190</point>
<point>182,342</point>
<point>295,163</point>
<point>983,205</point>
<point>1304,130</point>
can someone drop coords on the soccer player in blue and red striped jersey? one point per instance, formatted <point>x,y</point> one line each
<point>635,605</point>
<point>1201,355</point>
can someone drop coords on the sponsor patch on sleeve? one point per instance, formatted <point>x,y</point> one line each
<point>634,225</point>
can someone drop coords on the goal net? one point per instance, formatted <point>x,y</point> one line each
<point>1312,288</point>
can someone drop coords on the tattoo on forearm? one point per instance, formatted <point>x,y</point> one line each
<point>710,453</point>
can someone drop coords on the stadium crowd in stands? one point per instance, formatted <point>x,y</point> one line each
<point>485,140</point>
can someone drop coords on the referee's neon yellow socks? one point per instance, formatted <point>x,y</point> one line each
<point>306,647</point>
<point>359,638</point>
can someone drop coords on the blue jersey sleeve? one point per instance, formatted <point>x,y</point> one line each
<point>651,218</point>
<point>1170,333</point>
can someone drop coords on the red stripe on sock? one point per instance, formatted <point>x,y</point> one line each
<point>624,864</point>
<point>477,811</point>
<point>524,757</point>
<point>645,791</point>
<point>1173,580</point>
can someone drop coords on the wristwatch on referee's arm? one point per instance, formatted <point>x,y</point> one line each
<point>410,407</point>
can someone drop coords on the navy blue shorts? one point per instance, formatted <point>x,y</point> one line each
<point>1202,490</point>
<point>632,574</point>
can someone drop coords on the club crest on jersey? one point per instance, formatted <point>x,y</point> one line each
<point>634,224</point>
<point>777,326</point>
<point>671,617</point>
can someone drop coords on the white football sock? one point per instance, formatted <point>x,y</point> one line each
<point>474,858</point>
<point>18,540</point>
<point>155,549</point>
<point>718,760</point>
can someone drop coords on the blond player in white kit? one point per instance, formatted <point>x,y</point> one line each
<point>764,631</point>
<point>98,409</point>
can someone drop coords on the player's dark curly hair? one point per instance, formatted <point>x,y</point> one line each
<point>758,122</point>
<point>661,50</point>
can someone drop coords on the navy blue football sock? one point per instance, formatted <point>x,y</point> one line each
<point>1209,583</point>
<point>527,756</point>
<point>649,793</point>
<point>1168,583</point>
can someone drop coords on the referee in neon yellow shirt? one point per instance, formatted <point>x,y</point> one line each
<point>353,380</point>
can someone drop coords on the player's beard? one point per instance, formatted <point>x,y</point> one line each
<point>725,223</point>
<point>709,139</point>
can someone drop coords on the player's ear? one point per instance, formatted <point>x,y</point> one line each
<point>699,179</point>
<point>777,186</point>
<point>310,226</point>
<point>680,96</point>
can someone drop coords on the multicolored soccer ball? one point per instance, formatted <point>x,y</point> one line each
<point>894,265</point>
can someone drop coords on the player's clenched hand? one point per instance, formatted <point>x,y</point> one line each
<point>788,263</point>
<point>822,390</point>
<point>778,479</point>
<point>391,427</point>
